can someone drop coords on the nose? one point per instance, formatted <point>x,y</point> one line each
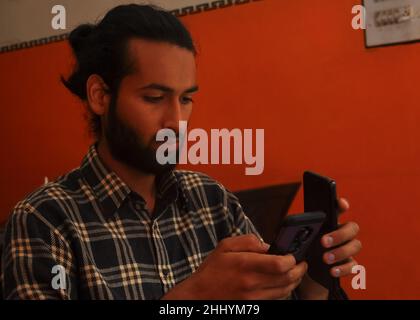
<point>173,115</point>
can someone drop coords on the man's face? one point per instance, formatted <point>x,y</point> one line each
<point>157,95</point>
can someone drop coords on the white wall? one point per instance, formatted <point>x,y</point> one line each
<point>25,20</point>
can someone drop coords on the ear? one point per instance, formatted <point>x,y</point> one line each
<point>97,94</point>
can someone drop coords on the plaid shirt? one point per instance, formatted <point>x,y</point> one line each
<point>99,231</point>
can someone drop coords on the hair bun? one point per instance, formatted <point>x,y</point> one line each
<point>78,36</point>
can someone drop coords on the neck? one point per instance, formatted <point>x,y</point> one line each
<point>140,182</point>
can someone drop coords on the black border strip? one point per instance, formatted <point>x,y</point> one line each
<point>193,9</point>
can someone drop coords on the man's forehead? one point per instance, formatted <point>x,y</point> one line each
<point>147,51</point>
<point>161,62</point>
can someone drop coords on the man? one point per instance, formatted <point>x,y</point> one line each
<point>123,226</point>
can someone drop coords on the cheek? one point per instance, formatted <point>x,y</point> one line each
<point>186,112</point>
<point>139,117</point>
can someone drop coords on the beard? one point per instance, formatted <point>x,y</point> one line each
<point>127,147</point>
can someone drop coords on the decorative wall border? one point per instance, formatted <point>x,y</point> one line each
<point>33,43</point>
<point>189,10</point>
<point>208,6</point>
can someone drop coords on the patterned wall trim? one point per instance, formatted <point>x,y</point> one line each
<point>193,9</point>
<point>207,6</point>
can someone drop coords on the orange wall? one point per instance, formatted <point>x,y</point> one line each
<point>296,69</point>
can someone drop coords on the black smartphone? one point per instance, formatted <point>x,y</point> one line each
<point>296,234</point>
<point>320,194</point>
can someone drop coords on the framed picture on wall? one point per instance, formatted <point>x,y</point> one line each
<point>390,22</point>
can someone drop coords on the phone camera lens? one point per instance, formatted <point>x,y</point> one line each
<point>304,234</point>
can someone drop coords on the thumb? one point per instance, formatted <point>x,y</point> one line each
<point>243,243</point>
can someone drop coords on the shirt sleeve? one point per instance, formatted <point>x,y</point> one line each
<point>37,262</point>
<point>242,224</point>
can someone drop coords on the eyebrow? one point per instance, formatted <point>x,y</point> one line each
<point>168,89</point>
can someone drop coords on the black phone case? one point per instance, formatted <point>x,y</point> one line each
<point>320,194</point>
<point>296,234</point>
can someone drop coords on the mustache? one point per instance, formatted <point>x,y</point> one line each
<point>174,137</point>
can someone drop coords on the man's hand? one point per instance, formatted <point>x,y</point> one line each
<point>346,246</point>
<point>238,268</point>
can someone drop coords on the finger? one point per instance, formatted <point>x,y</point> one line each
<point>343,205</point>
<point>343,270</point>
<point>275,293</point>
<point>264,281</point>
<point>346,232</point>
<point>344,252</point>
<point>264,263</point>
<point>293,275</point>
<point>243,243</point>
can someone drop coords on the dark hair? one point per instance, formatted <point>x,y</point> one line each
<point>101,49</point>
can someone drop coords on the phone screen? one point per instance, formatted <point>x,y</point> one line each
<point>320,194</point>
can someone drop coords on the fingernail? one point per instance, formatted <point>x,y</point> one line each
<point>330,258</point>
<point>336,272</point>
<point>265,246</point>
<point>328,241</point>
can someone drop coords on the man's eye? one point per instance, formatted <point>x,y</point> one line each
<point>187,100</point>
<point>153,99</point>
